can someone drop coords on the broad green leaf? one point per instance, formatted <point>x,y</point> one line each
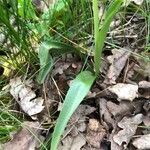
<point>76,93</point>
<point>47,49</point>
<point>100,34</point>
<point>46,62</point>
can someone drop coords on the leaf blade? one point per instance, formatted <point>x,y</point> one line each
<point>100,35</point>
<point>46,62</point>
<point>76,93</point>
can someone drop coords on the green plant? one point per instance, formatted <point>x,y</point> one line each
<point>83,82</point>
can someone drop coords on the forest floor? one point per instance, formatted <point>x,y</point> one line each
<point>115,115</point>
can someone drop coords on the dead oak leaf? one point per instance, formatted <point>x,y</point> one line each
<point>143,142</point>
<point>128,126</point>
<point>124,91</point>
<point>117,61</point>
<point>24,95</point>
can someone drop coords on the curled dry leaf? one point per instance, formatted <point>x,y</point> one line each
<point>25,139</point>
<point>143,142</point>
<point>129,126</point>
<point>95,133</point>
<point>117,61</point>
<point>124,91</point>
<point>24,95</point>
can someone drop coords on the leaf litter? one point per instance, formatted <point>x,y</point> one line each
<point>128,129</point>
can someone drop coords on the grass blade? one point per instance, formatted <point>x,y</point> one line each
<point>76,93</point>
<point>100,35</point>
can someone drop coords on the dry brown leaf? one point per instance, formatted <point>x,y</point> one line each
<point>143,142</point>
<point>105,115</point>
<point>144,84</point>
<point>65,144</point>
<point>81,112</point>
<point>60,67</point>
<point>146,106</point>
<point>24,95</point>
<point>73,139</point>
<point>95,133</point>
<point>124,91</point>
<point>117,61</point>
<point>25,139</point>
<point>78,142</point>
<point>72,143</point>
<point>124,108</point>
<point>146,120</point>
<point>114,145</point>
<point>128,126</point>
<point>144,89</point>
<point>77,121</point>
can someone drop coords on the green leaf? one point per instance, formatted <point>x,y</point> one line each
<point>47,49</point>
<point>100,35</point>
<point>76,93</point>
<point>46,62</point>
